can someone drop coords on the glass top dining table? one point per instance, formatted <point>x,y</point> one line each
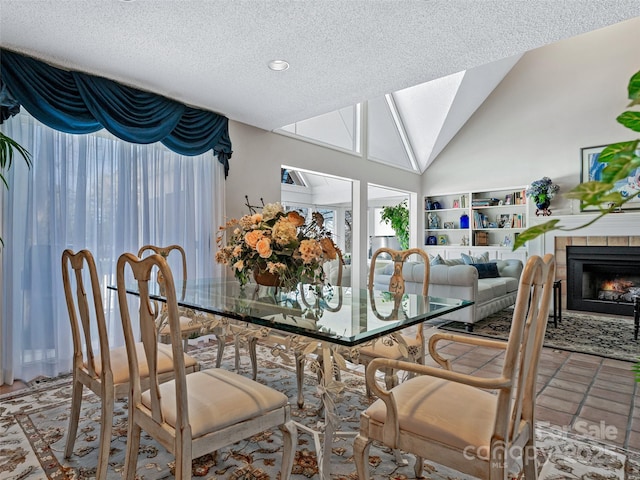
<point>333,315</point>
<point>339,315</point>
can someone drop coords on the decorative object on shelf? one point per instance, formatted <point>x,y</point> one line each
<point>464,241</point>
<point>437,205</point>
<point>449,225</point>
<point>464,221</point>
<point>480,239</point>
<point>277,243</point>
<point>398,216</point>
<point>432,240</point>
<point>428,204</point>
<point>433,220</point>
<point>442,240</point>
<point>542,191</point>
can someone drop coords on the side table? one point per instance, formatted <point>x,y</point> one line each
<point>636,316</point>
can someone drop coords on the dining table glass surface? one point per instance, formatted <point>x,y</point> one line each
<point>340,315</point>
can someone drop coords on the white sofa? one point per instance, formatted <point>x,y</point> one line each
<point>459,280</point>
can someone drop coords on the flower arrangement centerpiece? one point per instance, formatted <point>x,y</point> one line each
<point>542,191</point>
<point>276,243</point>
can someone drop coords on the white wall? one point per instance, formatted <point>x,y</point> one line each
<point>556,100</point>
<point>255,171</point>
<point>258,155</point>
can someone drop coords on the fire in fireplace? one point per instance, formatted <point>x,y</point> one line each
<point>603,279</point>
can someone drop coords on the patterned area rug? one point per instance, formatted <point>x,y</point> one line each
<point>610,337</point>
<point>33,423</point>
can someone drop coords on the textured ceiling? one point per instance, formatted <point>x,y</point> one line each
<point>214,54</point>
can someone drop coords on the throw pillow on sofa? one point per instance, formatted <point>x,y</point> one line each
<point>469,259</point>
<point>438,260</point>
<point>487,270</point>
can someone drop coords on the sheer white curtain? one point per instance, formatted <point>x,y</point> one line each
<point>96,192</point>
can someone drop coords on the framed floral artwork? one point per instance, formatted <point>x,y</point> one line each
<point>591,169</point>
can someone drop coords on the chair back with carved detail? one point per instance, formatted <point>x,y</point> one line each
<point>96,365</point>
<point>188,415</point>
<point>399,346</point>
<point>476,424</point>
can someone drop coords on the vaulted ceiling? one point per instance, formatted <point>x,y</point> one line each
<point>214,54</point>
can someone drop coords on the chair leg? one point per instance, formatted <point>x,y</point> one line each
<point>221,345</point>
<point>417,468</point>
<point>390,378</point>
<point>183,456</point>
<point>106,425</point>
<point>498,468</point>
<point>300,361</point>
<point>76,404</point>
<point>529,467</point>
<point>236,344</point>
<point>253,343</point>
<point>289,443</point>
<point>361,447</point>
<point>133,444</point>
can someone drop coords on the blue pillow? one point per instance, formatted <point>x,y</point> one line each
<point>437,260</point>
<point>468,259</point>
<point>486,270</point>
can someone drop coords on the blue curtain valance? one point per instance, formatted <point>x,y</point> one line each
<point>75,102</point>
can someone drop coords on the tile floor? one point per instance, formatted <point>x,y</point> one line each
<point>584,394</point>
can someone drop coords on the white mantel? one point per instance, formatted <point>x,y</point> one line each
<point>626,223</point>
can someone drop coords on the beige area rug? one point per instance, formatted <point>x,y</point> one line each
<point>33,423</point>
<point>610,337</point>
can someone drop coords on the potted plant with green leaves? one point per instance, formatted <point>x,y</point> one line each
<point>398,217</point>
<point>7,148</point>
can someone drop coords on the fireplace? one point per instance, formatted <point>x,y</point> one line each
<point>603,279</point>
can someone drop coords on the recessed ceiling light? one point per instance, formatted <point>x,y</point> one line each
<point>278,65</point>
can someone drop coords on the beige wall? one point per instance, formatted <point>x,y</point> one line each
<point>258,155</point>
<point>255,171</point>
<point>556,100</point>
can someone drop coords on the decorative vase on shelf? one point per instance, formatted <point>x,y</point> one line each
<point>464,221</point>
<point>542,207</point>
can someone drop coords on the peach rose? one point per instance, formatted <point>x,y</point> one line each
<point>263,247</point>
<point>251,238</point>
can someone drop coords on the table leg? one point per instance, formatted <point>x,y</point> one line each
<point>324,456</point>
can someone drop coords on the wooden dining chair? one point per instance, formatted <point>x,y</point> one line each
<point>193,414</point>
<point>104,370</point>
<point>476,425</point>
<point>401,346</point>
<point>188,326</point>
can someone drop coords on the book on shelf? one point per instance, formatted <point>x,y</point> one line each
<point>485,202</point>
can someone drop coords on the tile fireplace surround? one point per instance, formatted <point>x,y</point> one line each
<point>561,243</point>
